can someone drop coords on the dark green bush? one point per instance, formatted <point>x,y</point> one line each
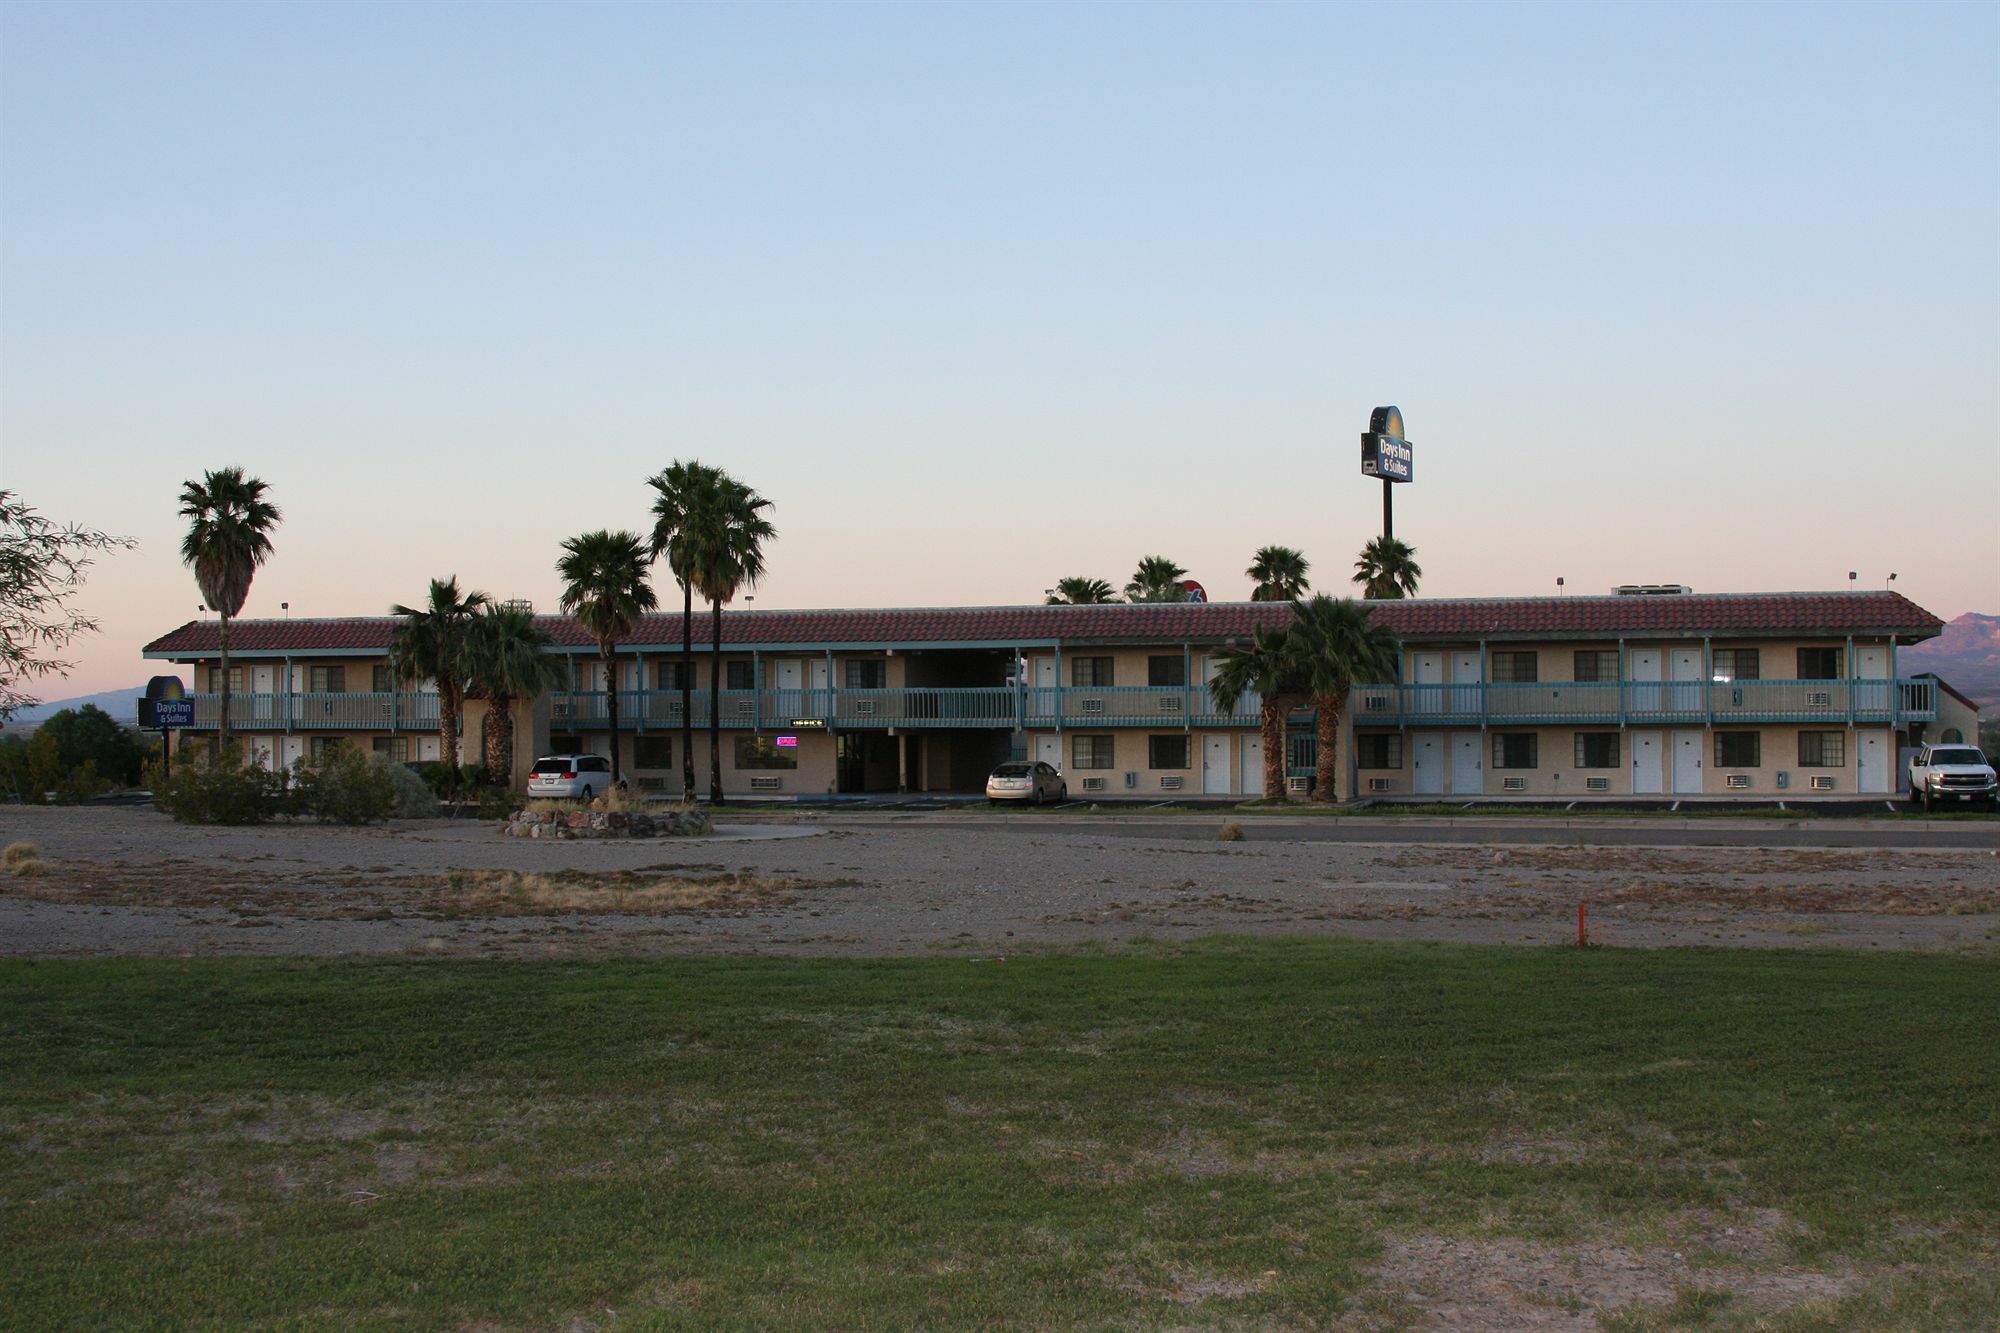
<point>349,786</point>
<point>452,783</point>
<point>219,789</point>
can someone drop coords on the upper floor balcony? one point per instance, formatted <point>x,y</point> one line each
<point>1644,702</point>
<point>299,710</point>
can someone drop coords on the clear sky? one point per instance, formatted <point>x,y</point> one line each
<point>985,295</point>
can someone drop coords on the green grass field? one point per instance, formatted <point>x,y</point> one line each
<point>1231,1133</point>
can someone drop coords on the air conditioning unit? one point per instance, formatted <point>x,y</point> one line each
<point>652,784</point>
<point>1737,781</point>
<point>1597,784</point>
<point>1094,784</point>
<point>746,707</point>
<point>559,710</point>
<point>1170,703</point>
<point>1513,784</point>
<point>1299,785</point>
<point>1822,782</point>
<point>767,784</point>
<point>1170,784</point>
<point>1093,705</point>
<point>1375,703</point>
<point>1819,698</point>
<point>864,707</point>
<point>1378,784</point>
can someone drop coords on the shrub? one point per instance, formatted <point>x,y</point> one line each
<point>208,788</point>
<point>414,797</point>
<point>452,783</point>
<point>350,786</point>
<point>498,802</point>
<point>1231,831</point>
<point>17,852</point>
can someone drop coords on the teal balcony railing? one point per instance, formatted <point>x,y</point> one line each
<point>388,710</point>
<point>1639,702</point>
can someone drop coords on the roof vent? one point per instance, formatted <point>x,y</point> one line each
<point>521,604</point>
<point>1651,590</point>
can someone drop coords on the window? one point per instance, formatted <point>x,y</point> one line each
<point>739,675</point>
<point>235,680</point>
<point>1596,664</point>
<point>1737,664</point>
<point>1090,751</point>
<point>1822,749</point>
<point>323,746</point>
<point>868,673</point>
<point>1739,749</point>
<point>1516,668</point>
<point>667,676</point>
<point>1514,749</point>
<point>652,752</point>
<point>395,749</point>
<point>1596,749</point>
<point>1383,751</point>
<point>759,752</point>
<point>1819,664</point>
<point>1094,672</point>
<point>1162,672</point>
<point>381,680</point>
<point>565,744</point>
<point>1167,751</point>
<point>326,679</point>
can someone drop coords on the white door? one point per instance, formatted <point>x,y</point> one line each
<point>1645,665</point>
<point>263,685</point>
<point>1215,765</point>
<point>1250,762</point>
<point>1042,703</point>
<point>1871,694</point>
<point>1428,697</point>
<point>1646,768</point>
<point>1048,749</point>
<point>1205,703</point>
<point>1874,759</point>
<point>791,673</point>
<point>1427,763</point>
<point>1687,680</point>
<point>1466,778</point>
<point>1465,682</point>
<point>1687,762</point>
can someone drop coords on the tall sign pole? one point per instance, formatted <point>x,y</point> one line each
<point>1386,454</point>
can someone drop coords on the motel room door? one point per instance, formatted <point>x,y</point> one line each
<point>1464,684</point>
<point>1687,680</point>
<point>1466,779</point>
<point>1687,762</point>
<point>1215,765</point>
<point>790,676</point>
<point>1647,777</point>
<point>1427,763</point>
<point>263,691</point>
<point>1048,749</point>
<point>1251,762</point>
<point>1645,668</point>
<point>1873,772</point>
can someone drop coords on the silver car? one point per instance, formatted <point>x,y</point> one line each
<point>570,776</point>
<point>1028,780</point>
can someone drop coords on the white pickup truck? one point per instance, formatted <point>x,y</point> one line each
<point>1941,773</point>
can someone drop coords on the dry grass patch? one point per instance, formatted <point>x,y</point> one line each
<point>23,860</point>
<point>643,893</point>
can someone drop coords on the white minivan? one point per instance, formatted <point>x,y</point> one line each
<point>570,776</point>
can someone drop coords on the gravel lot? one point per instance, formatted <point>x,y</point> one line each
<point>129,881</point>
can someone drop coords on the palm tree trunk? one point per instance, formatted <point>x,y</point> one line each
<point>1325,787</point>
<point>1271,720</point>
<point>222,730</point>
<point>687,691</point>
<point>715,709</point>
<point>611,706</point>
<point>448,727</point>
<point>500,741</point>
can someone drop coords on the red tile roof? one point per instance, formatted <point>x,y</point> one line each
<point>1723,615</point>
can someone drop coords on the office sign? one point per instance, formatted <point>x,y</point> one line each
<point>806,724</point>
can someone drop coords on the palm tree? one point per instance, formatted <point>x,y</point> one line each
<point>726,532</point>
<point>1081,592</point>
<point>430,644</point>
<point>1157,579</point>
<point>1269,668</point>
<point>1387,570</point>
<point>228,537</point>
<point>1335,649</point>
<point>506,656</point>
<point>605,588</point>
<point>685,489</point>
<point>1279,573</point>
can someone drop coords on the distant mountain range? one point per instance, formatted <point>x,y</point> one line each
<point>123,705</point>
<point>1967,654</point>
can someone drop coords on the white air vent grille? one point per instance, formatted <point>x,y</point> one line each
<point>1597,784</point>
<point>1821,782</point>
<point>1094,784</point>
<point>1170,703</point>
<point>1819,698</point>
<point>1513,784</point>
<point>864,707</point>
<point>1378,784</point>
<point>1298,784</point>
<point>1170,784</point>
<point>1737,781</point>
<point>558,710</point>
<point>746,707</point>
<point>652,784</point>
<point>1093,705</point>
<point>1376,703</point>
<point>767,784</point>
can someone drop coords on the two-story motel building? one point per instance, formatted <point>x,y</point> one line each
<point>1668,694</point>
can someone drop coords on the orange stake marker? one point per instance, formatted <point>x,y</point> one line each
<point>1582,929</point>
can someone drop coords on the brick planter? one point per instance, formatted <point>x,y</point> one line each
<point>607,824</point>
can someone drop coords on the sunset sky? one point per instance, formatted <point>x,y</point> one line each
<point>985,295</point>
